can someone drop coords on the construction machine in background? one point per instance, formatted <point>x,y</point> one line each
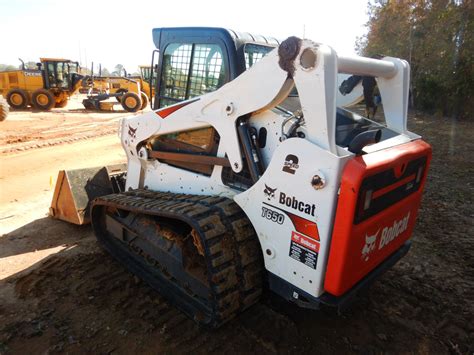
<point>134,89</point>
<point>49,86</point>
<point>146,80</point>
<point>126,91</point>
<point>129,91</point>
<point>247,173</point>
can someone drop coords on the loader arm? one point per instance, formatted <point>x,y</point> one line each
<point>312,67</point>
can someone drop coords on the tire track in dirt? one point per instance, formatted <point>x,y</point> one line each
<point>64,133</point>
<point>78,136</point>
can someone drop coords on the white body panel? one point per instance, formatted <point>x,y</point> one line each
<point>276,237</point>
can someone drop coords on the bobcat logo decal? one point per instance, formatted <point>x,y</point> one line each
<point>132,131</point>
<point>269,192</point>
<point>369,245</point>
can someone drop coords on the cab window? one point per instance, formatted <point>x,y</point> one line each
<point>58,74</point>
<point>62,75</point>
<point>254,52</point>
<point>191,70</point>
<point>73,68</point>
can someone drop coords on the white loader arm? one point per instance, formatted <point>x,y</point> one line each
<point>311,66</point>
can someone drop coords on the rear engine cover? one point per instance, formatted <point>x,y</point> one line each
<point>378,204</point>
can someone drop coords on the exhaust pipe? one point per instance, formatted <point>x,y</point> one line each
<point>363,139</point>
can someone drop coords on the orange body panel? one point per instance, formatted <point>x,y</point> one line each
<point>358,246</point>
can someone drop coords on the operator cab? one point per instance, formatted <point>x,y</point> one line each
<point>196,60</point>
<point>62,74</point>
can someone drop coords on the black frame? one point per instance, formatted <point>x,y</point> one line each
<point>305,300</point>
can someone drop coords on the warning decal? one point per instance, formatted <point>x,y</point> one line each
<point>304,249</point>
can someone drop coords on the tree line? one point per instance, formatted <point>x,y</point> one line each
<point>436,38</point>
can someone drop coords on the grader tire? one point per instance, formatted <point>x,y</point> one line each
<point>145,100</point>
<point>61,104</point>
<point>120,91</point>
<point>17,99</point>
<point>3,109</point>
<point>43,100</point>
<point>131,102</point>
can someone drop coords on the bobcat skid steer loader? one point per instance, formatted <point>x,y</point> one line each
<point>247,172</point>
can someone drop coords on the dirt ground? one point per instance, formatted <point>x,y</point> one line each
<point>59,292</point>
<point>27,129</point>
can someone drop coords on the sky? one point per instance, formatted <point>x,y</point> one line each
<point>113,32</point>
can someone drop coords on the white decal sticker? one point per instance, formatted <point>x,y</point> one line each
<point>388,234</point>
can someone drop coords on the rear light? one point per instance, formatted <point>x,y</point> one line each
<point>381,190</point>
<point>419,174</point>
<point>368,198</point>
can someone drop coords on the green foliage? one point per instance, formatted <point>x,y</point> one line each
<point>118,70</point>
<point>30,65</point>
<point>5,67</point>
<point>436,37</point>
<point>85,71</point>
<point>105,72</point>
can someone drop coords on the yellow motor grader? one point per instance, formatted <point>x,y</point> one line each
<point>135,89</point>
<point>132,92</point>
<point>146,80</point>
<point>127,91</point>
<point>49,86</point>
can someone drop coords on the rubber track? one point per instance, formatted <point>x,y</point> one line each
<point>232,251</point>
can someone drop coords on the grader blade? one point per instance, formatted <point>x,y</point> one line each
<point>75,189</point>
